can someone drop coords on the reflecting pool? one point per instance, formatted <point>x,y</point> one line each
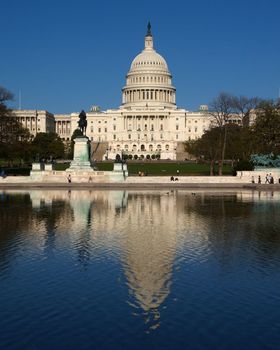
<point>139,269</point>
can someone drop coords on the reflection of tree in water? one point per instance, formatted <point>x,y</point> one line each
<point>235,223</point>
<point>15,216</point>
<point>50,215</point>
<point>19,220</point>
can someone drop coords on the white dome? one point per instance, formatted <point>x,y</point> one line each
<point>149,59</point>
<point>149,82</point>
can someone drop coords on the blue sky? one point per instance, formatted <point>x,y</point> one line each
<point>65,56</point>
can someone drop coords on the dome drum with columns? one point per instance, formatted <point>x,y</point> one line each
<point>149,80</point>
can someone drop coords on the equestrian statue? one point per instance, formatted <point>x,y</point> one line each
<point>82,123</point>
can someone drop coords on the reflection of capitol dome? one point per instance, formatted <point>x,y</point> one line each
<point>149,80</point>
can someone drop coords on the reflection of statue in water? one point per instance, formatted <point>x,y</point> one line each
<point>83,122</point>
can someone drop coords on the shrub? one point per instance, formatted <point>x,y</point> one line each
<point>242,165</point>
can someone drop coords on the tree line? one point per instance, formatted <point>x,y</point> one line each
<point>16,142</point>
<point>237,142</point>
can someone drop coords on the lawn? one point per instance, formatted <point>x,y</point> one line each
<point>158,168</point>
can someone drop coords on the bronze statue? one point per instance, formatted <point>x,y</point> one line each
<point>83,122</point>
<point>149,29</point>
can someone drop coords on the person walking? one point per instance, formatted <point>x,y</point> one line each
<point>69,178</point>
<point>267,179</point>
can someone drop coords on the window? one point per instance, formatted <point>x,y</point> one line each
<point>129,136</point>
<point>195,129</point>
<point>161,126</point>
<point>114,137</point>
<point>91,129</point>
<point>114,127</point>
<point>177,127</point>
<point>105,129</point>
<point>99,129</point>
<point>176,136</point>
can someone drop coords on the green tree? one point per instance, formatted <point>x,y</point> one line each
<point>14,138</point>
<point>48,145</point>
<point>207,147</point>
<point>266,129</point>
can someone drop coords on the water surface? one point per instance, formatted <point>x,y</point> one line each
<point>139,270</point>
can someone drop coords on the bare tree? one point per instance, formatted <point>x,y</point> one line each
<point>244,106</point>
<point>222,109</point>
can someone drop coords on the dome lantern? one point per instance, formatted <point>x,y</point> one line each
<point>149,37</point>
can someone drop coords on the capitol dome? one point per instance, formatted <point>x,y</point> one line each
<point>149,82</point>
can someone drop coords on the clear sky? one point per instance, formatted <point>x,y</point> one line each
<point>67,55</point>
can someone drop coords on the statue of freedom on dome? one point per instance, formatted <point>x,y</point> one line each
<point>149,29</point>
<point>83,122</point>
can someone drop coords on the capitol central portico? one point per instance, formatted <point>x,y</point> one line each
<point>148,124</point>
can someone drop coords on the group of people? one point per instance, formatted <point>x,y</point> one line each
<point>69,179</point>
<point>269,179</point>
<point>174,178</point>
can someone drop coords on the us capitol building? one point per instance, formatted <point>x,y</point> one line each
<point>148,124</point>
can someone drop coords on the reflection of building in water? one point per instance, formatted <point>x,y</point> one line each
<point>150,246</point>
<point>142,227</point>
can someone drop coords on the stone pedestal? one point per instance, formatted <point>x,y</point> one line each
<point>80,160</point>
<point>120,168</point>
<point>48,167</point>
<point>37,166</point>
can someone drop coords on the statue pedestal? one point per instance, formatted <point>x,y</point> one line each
<point>121,168</point>
<point>80,160</point>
